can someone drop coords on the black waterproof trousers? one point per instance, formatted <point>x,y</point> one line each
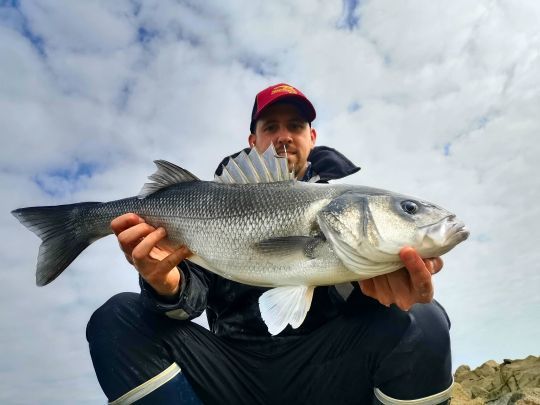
<point>404,354</point>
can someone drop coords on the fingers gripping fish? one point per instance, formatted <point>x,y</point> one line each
<point>255,224</point>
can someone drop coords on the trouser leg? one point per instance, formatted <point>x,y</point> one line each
<point>130,345</point>
<point>168,387</point>
<point>335,364</point>
<point>129,358</point>
<point>424,401</point>
<point>403,355</point>
<point>419,369</point>
<point>123,347</point>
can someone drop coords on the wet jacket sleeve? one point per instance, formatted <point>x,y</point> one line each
<point>193,296</point>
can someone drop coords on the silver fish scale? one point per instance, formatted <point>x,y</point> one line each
<point>223,223</point>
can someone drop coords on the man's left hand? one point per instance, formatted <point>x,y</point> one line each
<point>406,286</point>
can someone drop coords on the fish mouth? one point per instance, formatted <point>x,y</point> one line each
<point>446,233</point>
<point>458,233</point>
<point>456,230</point>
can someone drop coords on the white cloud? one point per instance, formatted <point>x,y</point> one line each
<point>431,98</point>
<point>87,27</point>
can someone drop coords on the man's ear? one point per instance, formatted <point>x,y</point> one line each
<point>251,140</point>
<point>313,137</point>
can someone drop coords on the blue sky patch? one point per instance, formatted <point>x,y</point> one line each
<point>184,35</point>
<point>354,106</point>
<point>136,7</point>
<point>350,18</point>
<point>124,94</point>
<point>23,27</point>
<point>10,3</point>
<point>259,66</point>
<point>446,148</point>
<point>37,41</point>
<point>146,35</point>
<point>482,121</point>
<point>65,180</point>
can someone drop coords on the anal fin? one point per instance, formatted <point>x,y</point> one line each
<point>282,306</point>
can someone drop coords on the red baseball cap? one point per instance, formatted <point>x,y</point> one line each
<point>281,92</point>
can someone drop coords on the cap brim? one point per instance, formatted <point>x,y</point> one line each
<point>303,104</point>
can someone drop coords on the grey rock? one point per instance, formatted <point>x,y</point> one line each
<point>511,382</point>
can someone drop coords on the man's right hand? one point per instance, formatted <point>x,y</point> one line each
<point>155,261</point>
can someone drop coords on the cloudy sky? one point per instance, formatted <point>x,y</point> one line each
<point>432,98</point>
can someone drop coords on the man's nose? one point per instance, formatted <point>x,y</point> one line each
<point>283,137</point>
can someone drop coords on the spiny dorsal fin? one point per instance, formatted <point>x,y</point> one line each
<point>254,167</point>
<point>166,175</point>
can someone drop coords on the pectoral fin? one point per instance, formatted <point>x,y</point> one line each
<point>282,306</point>
<point>289,247</point>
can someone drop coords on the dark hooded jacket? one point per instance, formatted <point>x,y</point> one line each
<point>232,308</point>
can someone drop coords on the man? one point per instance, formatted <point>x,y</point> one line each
<point>353,347</point>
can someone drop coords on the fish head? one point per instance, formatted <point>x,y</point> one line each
<point>397,221</point>
<point>370,228</point>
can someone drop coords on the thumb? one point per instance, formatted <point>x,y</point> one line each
<point>174,259</point>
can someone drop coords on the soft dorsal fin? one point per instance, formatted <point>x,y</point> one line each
<point>254,167</point>
<point>166,175</point>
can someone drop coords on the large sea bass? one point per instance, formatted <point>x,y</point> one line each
<point>256,225</point>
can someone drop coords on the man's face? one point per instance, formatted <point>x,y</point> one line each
<point>283,125</point>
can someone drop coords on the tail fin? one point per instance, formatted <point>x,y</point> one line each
<point>63,234</point>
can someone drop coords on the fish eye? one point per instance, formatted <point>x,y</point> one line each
<point>410,207</point>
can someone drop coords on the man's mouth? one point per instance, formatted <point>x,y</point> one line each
<point>285,152</point>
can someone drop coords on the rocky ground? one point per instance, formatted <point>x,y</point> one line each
<point>511,382</point>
